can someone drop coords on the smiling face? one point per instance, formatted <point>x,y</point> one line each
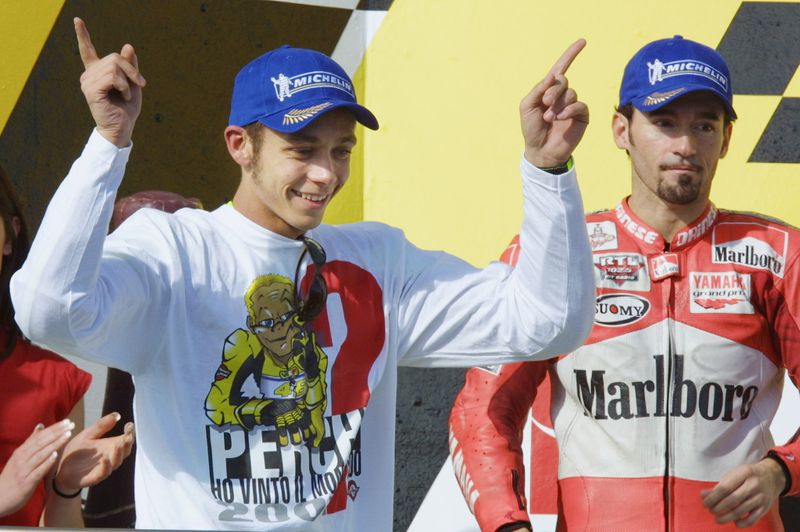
<point>674,151</point>
<point>289,179</point>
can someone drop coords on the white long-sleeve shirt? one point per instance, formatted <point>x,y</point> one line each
<point>164,297</point>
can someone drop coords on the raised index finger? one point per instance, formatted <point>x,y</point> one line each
<point>563,63</point>
<point>85,46</point>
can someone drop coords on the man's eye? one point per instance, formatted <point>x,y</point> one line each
<point>343,153</point>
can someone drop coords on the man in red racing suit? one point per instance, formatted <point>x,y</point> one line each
<point>662,418</point>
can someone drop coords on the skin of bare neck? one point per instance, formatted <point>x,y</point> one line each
<point>663,217</point>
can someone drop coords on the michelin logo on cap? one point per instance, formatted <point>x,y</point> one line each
<point>658,71</point>
<point>285,86</point>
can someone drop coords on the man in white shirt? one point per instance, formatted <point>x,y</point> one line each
<point>264,345</point>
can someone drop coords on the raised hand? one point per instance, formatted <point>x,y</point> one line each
<point>89,458</point>
<point>112,86</point>
<point>30,462</point>
<point>553,120</point>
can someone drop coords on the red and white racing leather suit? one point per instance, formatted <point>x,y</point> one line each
<point>676,385</point>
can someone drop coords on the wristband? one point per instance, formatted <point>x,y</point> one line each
<point>62,494</point>
<point>560,169</point>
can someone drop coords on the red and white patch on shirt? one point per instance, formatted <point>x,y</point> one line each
<point>750,244</point>
<point>663,266</point>
<point>720,293</point>
<point>602,235</point>
<point>621,271</point>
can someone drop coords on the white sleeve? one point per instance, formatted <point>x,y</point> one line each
<point>66,290</point>
<point>451,314</point>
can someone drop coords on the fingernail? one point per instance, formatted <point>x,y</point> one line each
<point>39,426</point>
<point>117,416</point>
<point>53,455</point>
<point>67,435</point>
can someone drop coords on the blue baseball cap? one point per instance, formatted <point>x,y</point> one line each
<point>669,68</point>
<point>288,88</point>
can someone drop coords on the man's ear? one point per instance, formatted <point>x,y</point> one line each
<point>620,128</point>
<point>240,147</point>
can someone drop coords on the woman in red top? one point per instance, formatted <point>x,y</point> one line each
<point>43,469</point>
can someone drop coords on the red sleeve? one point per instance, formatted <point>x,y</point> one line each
<point>786,328</point>
<point>486,426</point>
<point>76,384</point>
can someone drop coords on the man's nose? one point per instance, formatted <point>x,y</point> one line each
<point>685,144</point>
<point>322,170</point>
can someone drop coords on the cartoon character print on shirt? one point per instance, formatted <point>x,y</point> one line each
<point>286,362</point>
<point>288,398</point>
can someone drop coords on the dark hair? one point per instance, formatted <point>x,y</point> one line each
<point>625,110</point>
<point>20,244</point>
<point>256,133</point>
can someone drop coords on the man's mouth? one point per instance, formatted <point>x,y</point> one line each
<point>317,198</point>
<point>681,167</point>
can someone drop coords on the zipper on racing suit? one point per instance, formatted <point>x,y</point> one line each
<point>668,393</point>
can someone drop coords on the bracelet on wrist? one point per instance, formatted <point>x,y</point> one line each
<point>61,493</point>
<point>558,169</point>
